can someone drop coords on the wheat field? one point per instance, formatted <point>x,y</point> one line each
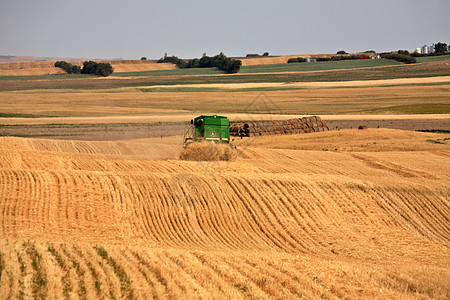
<point>129,220</point>
<point>48,67</point>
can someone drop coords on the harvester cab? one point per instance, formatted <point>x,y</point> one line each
<point>207,128</point>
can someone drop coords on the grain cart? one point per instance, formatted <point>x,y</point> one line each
<point>207,128</point>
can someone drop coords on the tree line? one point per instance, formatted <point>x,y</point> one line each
<point>219,61</point>
<point>89,67</point>
<point>399,56</point>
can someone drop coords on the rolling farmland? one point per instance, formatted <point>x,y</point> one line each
<point>96,203</point>
<point>96,219</point>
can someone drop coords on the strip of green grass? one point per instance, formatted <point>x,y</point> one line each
<point>318,66</point>
<point>14,115</point>
<point>432,58</point>
<point>181,90</point>
<point>270,89</point>
<point>175,72</point>
<point>435,131</point>
<point>275,68</point>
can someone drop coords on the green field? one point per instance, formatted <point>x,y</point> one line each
<point>319,66</point>
<point>183,89</point>
<point>175,72</point>
<point>275,68</point>
<point>432,58</point>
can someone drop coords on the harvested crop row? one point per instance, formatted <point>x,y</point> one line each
<point>291,126</point>
<point>85,271</point>
<point>278,223</point>
<point>240,213</point>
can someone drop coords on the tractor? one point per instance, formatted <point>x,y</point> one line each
<point>207,129</point>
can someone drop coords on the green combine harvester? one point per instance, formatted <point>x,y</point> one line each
<point>207,129</point>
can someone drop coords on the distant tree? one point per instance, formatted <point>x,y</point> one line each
<point>404,52</point>
<point>174,60</point>
<point>193,63</point>
<point>233,66</point>
<point>341,52</point>
<point>181,63</point>
<point>99,69</point>
<point>407,59</point>
<point>75,70</point>
<point>205,62</point>
<point>143,58</point>
<point>89,67</point>
<point>104,69</point>
<point>440,48</point>
<point>219,61</point>
<point>296,60</point>
<point>265,54</point>
<point>69,68</point>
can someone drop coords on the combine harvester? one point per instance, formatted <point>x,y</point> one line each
<point>207,129</point>
<point>217,129</point>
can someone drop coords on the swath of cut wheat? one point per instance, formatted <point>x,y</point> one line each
<point>95,219</point>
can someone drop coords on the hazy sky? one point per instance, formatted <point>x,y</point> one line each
<point>135,28</point>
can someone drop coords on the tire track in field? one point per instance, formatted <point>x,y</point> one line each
<point>393,167</point>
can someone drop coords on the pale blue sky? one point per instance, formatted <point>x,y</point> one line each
<point>135,28</point>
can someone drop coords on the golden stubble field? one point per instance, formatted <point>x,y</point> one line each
<point>127,219</point>
<point>28,68</point>
<point>311,100</point>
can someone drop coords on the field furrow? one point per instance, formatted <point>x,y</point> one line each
<point>91,220</point>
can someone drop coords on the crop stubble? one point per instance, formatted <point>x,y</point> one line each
<point>277,223</point>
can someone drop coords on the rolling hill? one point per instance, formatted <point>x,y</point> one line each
<point>130,220</point>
